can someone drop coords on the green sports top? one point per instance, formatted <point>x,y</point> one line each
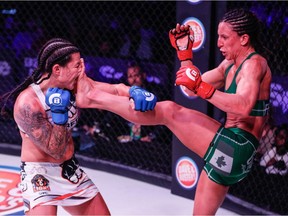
<point>261,107</point>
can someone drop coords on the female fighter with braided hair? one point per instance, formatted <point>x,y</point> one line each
<point>45,111</point>
<point>227,150</point>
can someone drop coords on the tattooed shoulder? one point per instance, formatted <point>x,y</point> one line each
<point>33,122</point>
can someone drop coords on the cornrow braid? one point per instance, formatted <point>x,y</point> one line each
<point>244,22</point>
<point>55,51</point>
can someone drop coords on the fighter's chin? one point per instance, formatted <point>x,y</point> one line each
<point>72,86</point>
<point>227,57</point>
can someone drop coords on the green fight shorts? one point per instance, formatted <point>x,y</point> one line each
<point>230,155</point>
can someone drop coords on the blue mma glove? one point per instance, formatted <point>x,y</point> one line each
<point>58,100</point>
<point>143,100</point>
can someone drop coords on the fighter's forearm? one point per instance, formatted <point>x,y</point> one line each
<point>231,103</point>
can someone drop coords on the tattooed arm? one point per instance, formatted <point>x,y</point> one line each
<point>32,119</point>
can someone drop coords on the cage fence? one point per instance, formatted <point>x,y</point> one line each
<point>112,34</point>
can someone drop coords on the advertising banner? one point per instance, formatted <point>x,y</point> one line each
<point>186,165</point>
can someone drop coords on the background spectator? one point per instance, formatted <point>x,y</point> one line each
<point>275,160</point>
<point>138,77</point>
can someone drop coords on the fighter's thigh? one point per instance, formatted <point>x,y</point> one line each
<point>42,210</point>
<point>95,206</point>
<point>193,128</point>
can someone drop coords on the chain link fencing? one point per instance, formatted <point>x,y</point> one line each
<point>266,186</point>
<point>110,35</point>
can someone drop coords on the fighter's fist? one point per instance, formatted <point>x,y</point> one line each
<point>143,100</point>
<point>182,39</point>
<point>190,77</point>
<point>58,100</point>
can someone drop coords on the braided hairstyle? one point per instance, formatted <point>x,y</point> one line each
<point>55,51</point>
<point>244,22</point>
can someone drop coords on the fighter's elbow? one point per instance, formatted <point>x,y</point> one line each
<point>244,110</point>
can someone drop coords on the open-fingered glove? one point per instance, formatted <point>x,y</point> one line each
<point>59,101</point>
<point>143,100</point>
<point>190,77</point>
<point>182,40</point>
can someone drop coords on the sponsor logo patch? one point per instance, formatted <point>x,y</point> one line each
<point>40,183</point>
